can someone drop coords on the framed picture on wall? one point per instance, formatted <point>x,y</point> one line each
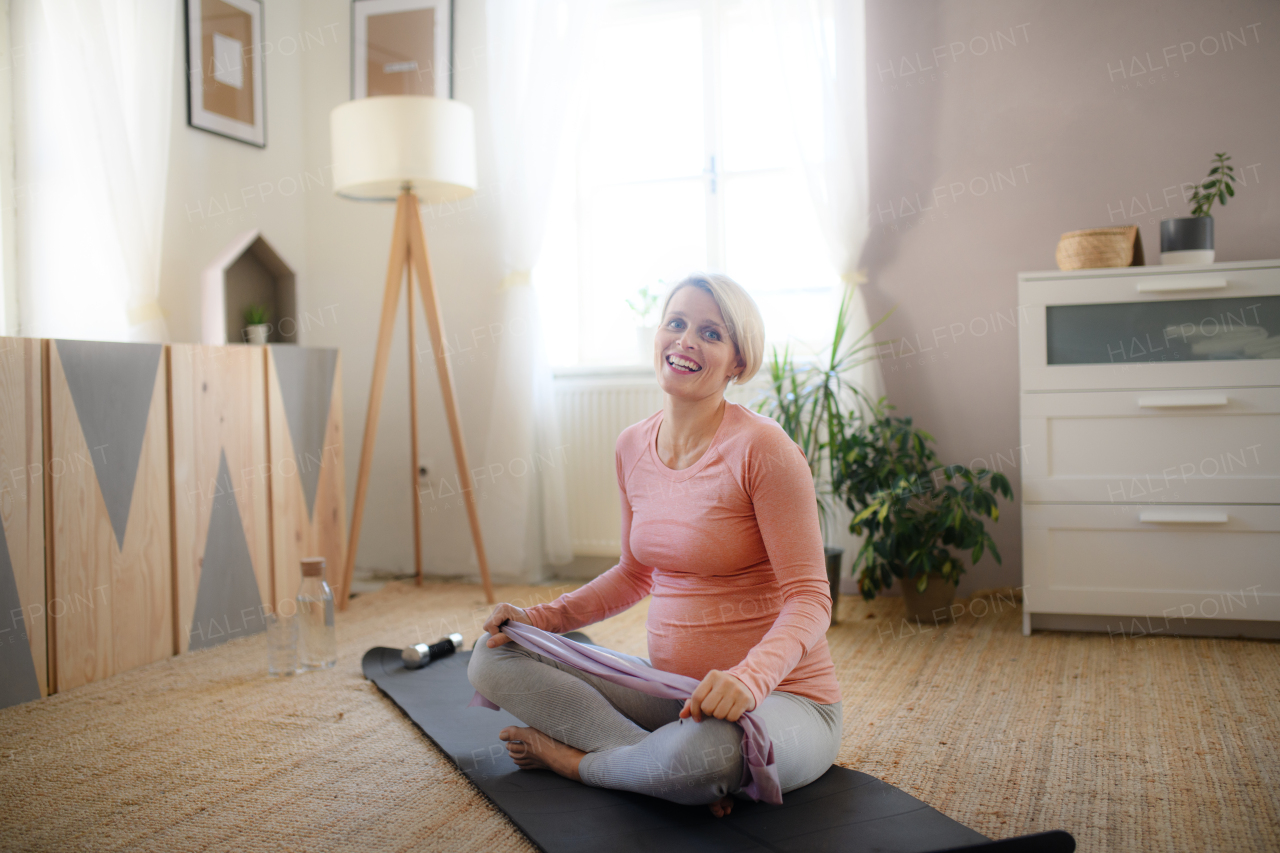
<point>402,47</point>
<point>224,69</point>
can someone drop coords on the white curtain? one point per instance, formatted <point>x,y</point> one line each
<point>822,45</point>
<point>93,103</point>
<point>535,55</point>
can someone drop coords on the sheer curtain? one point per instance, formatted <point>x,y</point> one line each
<point>535,56</point>
<point>93,86</point>
<point>823,49</point>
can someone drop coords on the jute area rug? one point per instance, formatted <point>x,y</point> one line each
<point>1137,744</point>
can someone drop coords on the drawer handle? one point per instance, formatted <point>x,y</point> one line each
<point>1182,401</point>
<point>1183,517</point>
<point>1172,285</point>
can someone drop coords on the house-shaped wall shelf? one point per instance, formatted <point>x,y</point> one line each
<point>248,272</point>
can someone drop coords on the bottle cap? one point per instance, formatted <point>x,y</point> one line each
<point>312,567</point>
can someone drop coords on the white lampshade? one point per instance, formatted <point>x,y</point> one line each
<point>381,144</point>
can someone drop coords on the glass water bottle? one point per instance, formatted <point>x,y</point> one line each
<point>317,640</point>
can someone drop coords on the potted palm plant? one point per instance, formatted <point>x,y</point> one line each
<point>916,514</point>
<point>816,403</point>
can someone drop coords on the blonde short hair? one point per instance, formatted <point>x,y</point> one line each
<point>741,315</point>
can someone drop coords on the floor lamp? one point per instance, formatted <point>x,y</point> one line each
<point>407,149</point>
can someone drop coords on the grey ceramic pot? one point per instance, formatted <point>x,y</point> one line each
<point>1187,234</point>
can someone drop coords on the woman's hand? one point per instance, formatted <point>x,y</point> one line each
<point>719,695</point>
<point>502,613</point>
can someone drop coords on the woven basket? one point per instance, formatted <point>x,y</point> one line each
<point>1100,247</point>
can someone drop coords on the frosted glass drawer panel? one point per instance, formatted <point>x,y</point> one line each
<point>1215,445</point>
<point>1182,330</point>
<point>1217,562</point>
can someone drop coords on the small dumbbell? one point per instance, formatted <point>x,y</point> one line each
<point>416,657</point>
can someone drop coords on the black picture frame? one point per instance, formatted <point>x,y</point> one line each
<point>226,75</point>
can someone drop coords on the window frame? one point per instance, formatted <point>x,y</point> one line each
<point>713,176</point>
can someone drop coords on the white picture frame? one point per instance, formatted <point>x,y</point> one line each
<point>409,70</point>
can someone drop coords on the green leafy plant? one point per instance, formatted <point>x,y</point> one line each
<point>815,403</point>
<point>1218,187</point>
<point>915,513</point>
<point>644,304</point>
<point>257,315</point>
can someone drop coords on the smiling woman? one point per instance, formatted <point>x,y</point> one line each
<point>720,526</point>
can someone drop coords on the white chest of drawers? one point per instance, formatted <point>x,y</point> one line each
<point>1150,406</point>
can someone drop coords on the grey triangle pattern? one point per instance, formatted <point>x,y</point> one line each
<point>228,604</point>
<point>111,385</point>
<point>18,682</point>
<point>306,387</point>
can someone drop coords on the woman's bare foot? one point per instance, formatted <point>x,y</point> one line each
<point>531,749</point>
<point>722,806</point>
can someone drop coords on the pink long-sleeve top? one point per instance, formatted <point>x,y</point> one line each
<point>731,551</point>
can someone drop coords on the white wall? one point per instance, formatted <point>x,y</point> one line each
<point>347,245</point>
<point>219,187</point>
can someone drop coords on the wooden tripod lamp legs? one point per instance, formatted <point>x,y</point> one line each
<point>413,440</point>
<point>422,267</point>
<point>409,247</point>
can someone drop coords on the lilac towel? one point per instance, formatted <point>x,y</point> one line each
<point>756,745</point>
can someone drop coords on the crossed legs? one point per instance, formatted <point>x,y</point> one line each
<point>610,736</point>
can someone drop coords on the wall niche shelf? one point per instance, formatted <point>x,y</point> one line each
<point>248,272</point>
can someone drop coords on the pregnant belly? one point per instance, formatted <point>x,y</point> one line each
<point>694,634</point>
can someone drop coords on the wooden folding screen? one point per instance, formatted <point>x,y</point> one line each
<point>222,546</point>
<point>107,455</point>
<point>308,491</point>
<point>24,663</point>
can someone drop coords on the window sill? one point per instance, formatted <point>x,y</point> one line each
<point>604,371</point>
<point>642,374</point>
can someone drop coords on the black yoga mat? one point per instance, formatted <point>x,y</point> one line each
<point>843,811</point>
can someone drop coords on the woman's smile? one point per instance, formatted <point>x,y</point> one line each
<point>683,364</point>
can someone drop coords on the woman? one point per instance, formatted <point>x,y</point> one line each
<point>720,525</point>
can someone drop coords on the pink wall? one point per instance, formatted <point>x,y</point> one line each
<point>997,126</point>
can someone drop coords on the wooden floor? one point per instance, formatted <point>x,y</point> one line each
<point>1134,744</point>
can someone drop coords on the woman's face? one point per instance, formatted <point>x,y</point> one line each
<point>693,354</point>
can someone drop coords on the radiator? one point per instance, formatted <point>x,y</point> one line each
<point>593,409</point>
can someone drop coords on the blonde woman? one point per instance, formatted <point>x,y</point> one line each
<point>720,526</point>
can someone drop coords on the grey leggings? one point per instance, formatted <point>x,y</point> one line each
<point>636,742</point>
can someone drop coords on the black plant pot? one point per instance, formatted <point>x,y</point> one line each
<point>1187,240</point>
<point>834,557</point>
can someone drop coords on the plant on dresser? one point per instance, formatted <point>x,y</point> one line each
<point>915,513</point>
<point>1189,239</point>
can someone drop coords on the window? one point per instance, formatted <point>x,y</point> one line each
<point>685,161</point>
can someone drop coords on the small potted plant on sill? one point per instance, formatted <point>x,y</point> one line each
<point>815,403</point>
<point>916,514</point>
<point>645,307</point>
<point>257,324</point>
<point>1189,239</point>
